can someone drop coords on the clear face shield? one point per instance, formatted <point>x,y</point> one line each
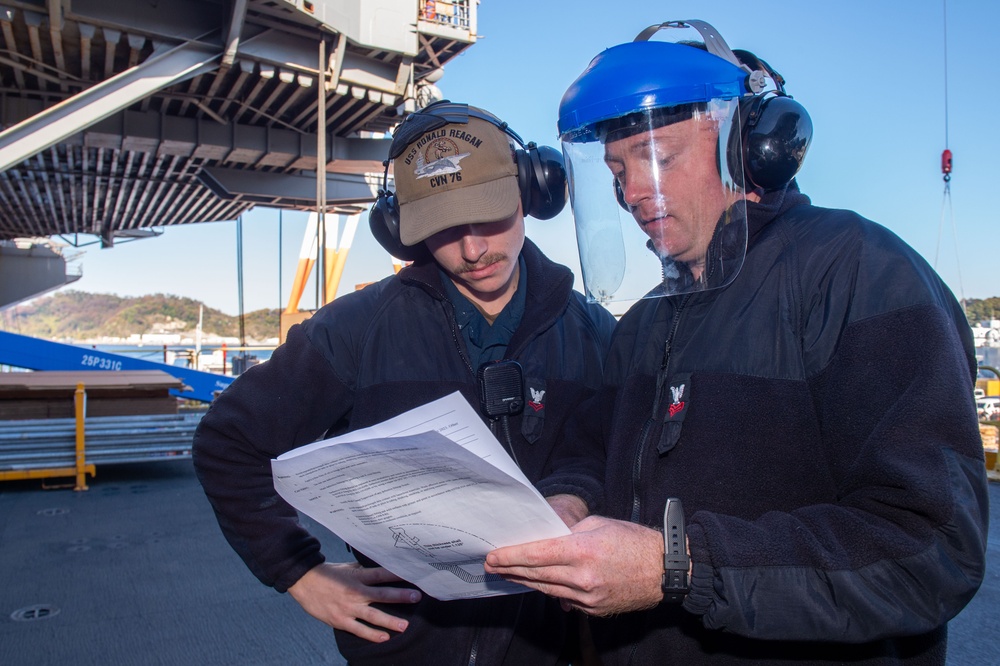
<point>658,202</point>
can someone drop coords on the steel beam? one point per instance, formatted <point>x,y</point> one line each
<point>235,28</point>
<point>289,190</point>
<point>102,100</point>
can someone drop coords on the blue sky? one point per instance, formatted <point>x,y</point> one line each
<point>871,74</point>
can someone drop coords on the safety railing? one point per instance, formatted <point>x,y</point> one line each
<point>446,12</point>
<point>46,448</point>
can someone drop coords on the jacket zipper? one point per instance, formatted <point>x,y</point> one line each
<point>644,436</point>
<point>458,343</point>
<point>455,337</point>
<point>475,648</point>
<point>661,379</point>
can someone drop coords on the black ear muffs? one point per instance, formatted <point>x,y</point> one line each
<point>770,142</point>
<point>775,138</point>
<point>541,175</point>
<point>773,135</point>
<point>383,220</point>
<point>541,178</point>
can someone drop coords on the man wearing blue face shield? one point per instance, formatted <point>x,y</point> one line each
<point>781,481</point>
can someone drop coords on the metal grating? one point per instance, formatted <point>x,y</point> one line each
<point>117,177</point>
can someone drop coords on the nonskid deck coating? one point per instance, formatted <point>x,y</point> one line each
<point>135,571</point>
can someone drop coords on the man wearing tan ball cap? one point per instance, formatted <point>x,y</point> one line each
<point>452,172</point>
<point>477,295</point>
<point>457,190</point>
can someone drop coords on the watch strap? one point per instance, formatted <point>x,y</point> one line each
<point>675,558</point>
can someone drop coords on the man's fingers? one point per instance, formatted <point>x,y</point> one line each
<point>570,508</point>
<point>378,618</point>
<point>554,575</point>
<point>362,630</point>
<point>569,596</point>
<point>341,596</point>
<point>376,575</point>
<point>373,578</point>
<point>535,554</point>
<point>563,582</point>
<point>392,595</point>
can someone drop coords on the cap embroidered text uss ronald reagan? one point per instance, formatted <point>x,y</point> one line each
<point>457,174</point>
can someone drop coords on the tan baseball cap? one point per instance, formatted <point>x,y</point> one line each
<point>460,173</point>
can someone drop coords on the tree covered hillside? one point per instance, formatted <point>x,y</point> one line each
<point>80,316</point>
<point>982,309</point>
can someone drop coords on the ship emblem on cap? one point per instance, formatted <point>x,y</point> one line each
<point>444,158</point>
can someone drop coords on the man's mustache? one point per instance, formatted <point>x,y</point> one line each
<point>486,260</point>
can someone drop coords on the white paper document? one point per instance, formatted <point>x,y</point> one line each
<point>426,494</point>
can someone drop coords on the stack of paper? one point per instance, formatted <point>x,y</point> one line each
<point>426,494</point>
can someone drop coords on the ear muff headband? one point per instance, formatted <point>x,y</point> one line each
<point>541,174</point>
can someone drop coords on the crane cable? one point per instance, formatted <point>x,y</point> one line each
<point>946,166</point>
<point>239,282</point>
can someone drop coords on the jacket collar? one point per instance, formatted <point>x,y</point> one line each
<point>771,206</point>
<point>549,287</point>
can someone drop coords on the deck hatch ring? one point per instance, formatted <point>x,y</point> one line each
<point>53,512</point>
<point>36,612</point>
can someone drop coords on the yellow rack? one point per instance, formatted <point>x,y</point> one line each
<point>81,469</point>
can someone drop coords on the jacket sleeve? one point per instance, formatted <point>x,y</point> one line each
<point>290,400</point>
<point>901,548</point>
<point>578,467</point>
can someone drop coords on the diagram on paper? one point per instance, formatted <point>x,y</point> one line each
<point>453,555</point>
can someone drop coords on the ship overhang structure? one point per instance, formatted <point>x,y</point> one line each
<point>118,118</point>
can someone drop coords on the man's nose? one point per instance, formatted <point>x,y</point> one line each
<point>636,189</point>
<point>473,244</point>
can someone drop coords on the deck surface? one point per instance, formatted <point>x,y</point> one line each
<point>135,571</point>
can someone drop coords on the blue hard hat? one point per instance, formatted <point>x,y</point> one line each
<point>644,75</point>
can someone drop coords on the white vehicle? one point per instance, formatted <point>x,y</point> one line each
<point>988,408</point>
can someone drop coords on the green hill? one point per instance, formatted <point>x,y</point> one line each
<point>80,316</point>
<point>982,309</point>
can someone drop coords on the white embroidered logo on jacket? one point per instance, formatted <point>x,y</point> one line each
<point>536,399</point>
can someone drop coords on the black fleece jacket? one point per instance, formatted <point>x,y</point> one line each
<point>366,357</point>
<point>824,444</point>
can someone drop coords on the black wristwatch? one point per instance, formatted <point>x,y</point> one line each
<point>675,557</point>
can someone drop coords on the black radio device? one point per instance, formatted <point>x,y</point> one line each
<point>501,388</point>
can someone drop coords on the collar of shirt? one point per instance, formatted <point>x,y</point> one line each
<point>483,342</point>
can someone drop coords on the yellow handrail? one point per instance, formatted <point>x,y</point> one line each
<point>80,404</point>
<point>80,469</point>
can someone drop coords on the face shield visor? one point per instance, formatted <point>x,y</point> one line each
<point>657,192</point>
<point>656,206</point>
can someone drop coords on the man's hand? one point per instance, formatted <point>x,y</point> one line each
<point>570,508</point>
<point>341,596</point>
<point>605,567</point>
